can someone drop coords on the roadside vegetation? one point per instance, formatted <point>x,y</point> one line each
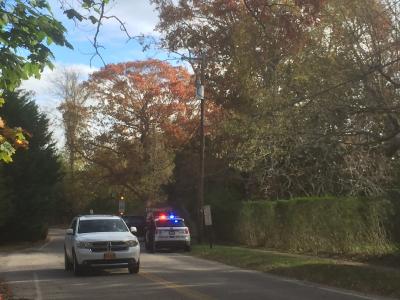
<point>342,274</point>
<point>338,226</point>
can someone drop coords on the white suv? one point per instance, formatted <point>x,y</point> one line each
<point>100,241</point>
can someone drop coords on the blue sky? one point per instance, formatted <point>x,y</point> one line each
<point>139,17</point>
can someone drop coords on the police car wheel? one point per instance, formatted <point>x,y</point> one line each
<point>153,247</point>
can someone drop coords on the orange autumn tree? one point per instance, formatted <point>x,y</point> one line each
<point>142,112</point>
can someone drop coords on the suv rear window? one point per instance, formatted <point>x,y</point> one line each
<point>134,219</point>
<point>102,225</point>
<point>170,223</point>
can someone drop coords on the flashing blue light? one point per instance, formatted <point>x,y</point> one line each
<point>171,216</point>
<point>176,221</point>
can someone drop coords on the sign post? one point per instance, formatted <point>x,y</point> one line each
<point>121,205</point>
<point>208,223</point>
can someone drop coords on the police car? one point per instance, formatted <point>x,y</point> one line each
<point>166,231</point>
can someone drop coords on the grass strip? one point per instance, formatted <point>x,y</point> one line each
<point>362,278</point>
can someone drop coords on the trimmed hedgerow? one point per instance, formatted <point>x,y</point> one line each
<point>317,225</point>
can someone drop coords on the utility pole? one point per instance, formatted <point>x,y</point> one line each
<point>200,80</point>
<point>200,201</point>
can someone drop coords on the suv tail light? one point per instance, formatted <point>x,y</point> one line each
<point>186,231</point>
<point>157,231</point>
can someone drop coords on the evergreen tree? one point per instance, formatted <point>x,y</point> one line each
<point>28,187</point>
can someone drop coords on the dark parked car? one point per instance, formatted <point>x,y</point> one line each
<point>136,221</point>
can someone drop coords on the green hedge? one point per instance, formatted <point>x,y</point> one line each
<point>317,225</point>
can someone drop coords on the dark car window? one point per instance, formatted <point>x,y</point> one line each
<point>102,225</point>
<point>73,226</point>
<point>138,220</point>
<point>170,223</point>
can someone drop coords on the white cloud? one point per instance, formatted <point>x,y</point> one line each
<point>138,15</point>
<point>43,87</point>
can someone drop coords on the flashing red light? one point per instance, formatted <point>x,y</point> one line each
<point>163,217</point>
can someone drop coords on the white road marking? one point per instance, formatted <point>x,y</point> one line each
<point>46,244</point>
<point>37,287</point>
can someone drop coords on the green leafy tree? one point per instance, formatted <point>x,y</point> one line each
<point>27,28</point>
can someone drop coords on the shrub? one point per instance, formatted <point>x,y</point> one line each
<point>317,225</point>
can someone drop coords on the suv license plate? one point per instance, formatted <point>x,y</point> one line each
<point>109,255</point>
<point>171,232</point>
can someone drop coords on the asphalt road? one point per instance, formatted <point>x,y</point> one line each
<point>38,273</point>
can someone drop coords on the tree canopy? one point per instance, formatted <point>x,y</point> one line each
<point>310,88</point>
<point>139,113</point>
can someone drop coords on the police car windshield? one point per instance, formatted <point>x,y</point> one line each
<point>170,223</point>
<point>102,225</point>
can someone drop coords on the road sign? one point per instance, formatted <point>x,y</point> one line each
<point>200,92</point>
<point>207,215</point>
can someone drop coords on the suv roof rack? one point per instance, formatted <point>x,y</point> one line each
<point>96,216</point>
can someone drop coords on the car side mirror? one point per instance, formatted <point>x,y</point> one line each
<point>70,231</point>
<point>133,229</point>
